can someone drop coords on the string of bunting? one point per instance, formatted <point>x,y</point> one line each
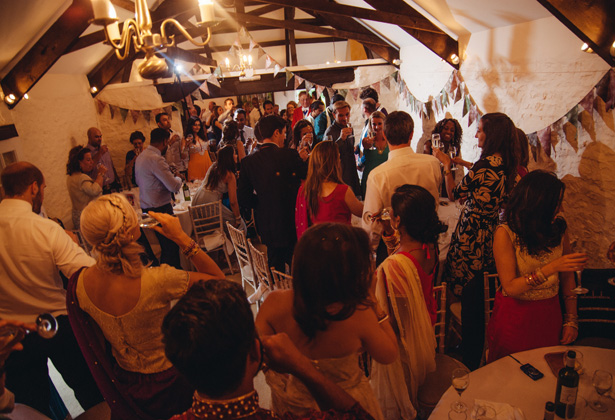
<point>134,114</point>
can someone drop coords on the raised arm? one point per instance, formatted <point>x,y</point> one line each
<point>353,203</point>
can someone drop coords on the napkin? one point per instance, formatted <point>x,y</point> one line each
<point>503,411</point>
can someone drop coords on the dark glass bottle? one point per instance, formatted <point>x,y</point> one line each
<point>549,411</point>
<point>567,386</point>
<point>186,192</point>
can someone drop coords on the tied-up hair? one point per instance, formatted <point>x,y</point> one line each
<point>75,156</point>
<point>531,212</point>
<point>331,267</point>
<point>107,223</point>
<point>324,166</point>
<point>416,208</point>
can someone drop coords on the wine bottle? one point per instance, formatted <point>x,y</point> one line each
<point>549,411</point>
<point>567,387</point>
<point>186,191</point>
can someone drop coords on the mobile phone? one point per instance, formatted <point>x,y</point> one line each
<point>531,371</point>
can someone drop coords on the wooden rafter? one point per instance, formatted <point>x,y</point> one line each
<point>593,21</point>
<point>291,51</point>
<point>47,50</point>
<point>298,26</point>
<point>344,11</point>
<point>264,10</point>
<point>440,43</point>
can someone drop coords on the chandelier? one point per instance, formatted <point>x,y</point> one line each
<point>139,31</point>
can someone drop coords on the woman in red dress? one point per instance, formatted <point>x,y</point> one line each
<point>324,197</point>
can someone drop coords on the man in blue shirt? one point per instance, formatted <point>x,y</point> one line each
<point>157,184</point>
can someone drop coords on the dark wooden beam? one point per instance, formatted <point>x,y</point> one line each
<point>264,10</point>
<point>124,4</point>
<point>289,15</point>
<point>343,11</point>
<point>231,86</point>
<point>265,44</point>
<point>387,51</point>
<point>593,21</point>
<point>298,26</point>
<point>8,132</point>
<point>47,50</point>
<point>441,44</point>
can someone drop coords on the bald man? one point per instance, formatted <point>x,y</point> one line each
<point>100,154</point>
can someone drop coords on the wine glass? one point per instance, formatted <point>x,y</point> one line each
<point>460,381</point>
<point>435,141</point>
<point>602,382</point>
<point>46,327</point>
<point>453,152</point>
<point>579,290</point>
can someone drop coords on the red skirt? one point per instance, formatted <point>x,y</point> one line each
<point>519,325</point>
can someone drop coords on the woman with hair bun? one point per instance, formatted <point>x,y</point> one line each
<point>405,290</point>
<point>128,301</point>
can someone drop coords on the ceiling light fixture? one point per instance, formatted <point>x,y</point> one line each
<point>10,99</point>
<point>612,50</point>
<point>454,59</point>
<point>139,31</point>
<point>26,96</point>
<point>93,89</point>
<point>586,48</point>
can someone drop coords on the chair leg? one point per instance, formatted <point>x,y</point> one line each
<point>228,260</point>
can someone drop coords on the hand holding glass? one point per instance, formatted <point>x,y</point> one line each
<point>46,327</point>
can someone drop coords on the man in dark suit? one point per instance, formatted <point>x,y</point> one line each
<point>268,183</point>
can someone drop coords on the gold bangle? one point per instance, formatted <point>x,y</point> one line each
<point>541,276</point>
<point>193,252</point>
<point>570,297</point>
<point>571,324</point>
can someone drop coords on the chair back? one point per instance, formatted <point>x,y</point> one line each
<point>490,294</point>
<point>208,228</point>
<point>281,280</point>
<point>260,264</point>
<point>240,244</point>
<point>439,293</point>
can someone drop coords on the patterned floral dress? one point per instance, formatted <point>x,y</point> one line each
<point>471,249</point>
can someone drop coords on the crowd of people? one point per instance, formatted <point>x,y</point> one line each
<point>362,292</point>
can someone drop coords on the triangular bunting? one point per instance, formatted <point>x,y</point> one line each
<point>213,79</point>
<point>376,87</point>
<point>205,88</point>
<point>148,115</point>
<point>355,94</point>
<point>289,75</point>
<point>237,42</point>
<point>135,115</point>
<point>197,95</point>
<point>386,82</point>
<point>252,44</point>
<point>298,81</point>
<point>268,62</point>
<point>124,114</point>
<point>466,106</point>
<point>454,83</point>
<point>473,115</point>
<point>168,110</point>
<point>112,109</point>
<point>610,103</point>
<point>458,96</point>
<point>100,106</point>
<point>260,52</point>
<point>428,110</point>
<point>276,69</point>
<point>573,115</point>
<point>330,92</point>
<point>308,85</point>
<point>544,136</point>
<point>319,90</point>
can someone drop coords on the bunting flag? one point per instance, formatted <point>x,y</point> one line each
<point>112,109</point>
<point>261,52</point>
<point>147,115</point>
<point>268,62</point>
<point>473,115</point>
<point>298,81</point>
<point>458,96</point>
<point>100,106</point>
<point>205,88</point>
<point>197,95</point>
<point>276,70</point>
<point>588,102</point>
<point>289,75</point>
<point>124,114</point>
<point>213,78</point>
<point>135,115</point>
<point>168,109</point>
<point>308,85</point>
<point>387,82</point>
<point>355,94</point>
<point>319,90</point>
<point>454,81</point>
<point>587,122</point>
<point>376,87</point>
<point>466,106</point>
<point>252,45</point>
<point>330,92</point>
<point>189,101</point>
<point>237,42</point>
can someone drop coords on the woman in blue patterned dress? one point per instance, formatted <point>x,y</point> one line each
<point>483,191</point>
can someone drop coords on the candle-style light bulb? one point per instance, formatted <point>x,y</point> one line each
<point>207,10</point>
<point>227,62</point>
<point>249,60</point>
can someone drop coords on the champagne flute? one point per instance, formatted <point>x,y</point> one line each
<point>602,382</point>
<point>435,141</point>
<point>372,135</point>
<point>460,381</point>
<point>579,290</point>
<point>454,152</point>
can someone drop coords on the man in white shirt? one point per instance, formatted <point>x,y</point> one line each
<point>403,167</point>
<point>32,251</point>
<point>245,132</point>
<point>174,155</point>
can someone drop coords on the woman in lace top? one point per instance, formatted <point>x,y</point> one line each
<point>535,265</point>
<point>196,144</point>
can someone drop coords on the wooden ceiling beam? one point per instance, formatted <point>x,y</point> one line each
<point>411,22</point>
<point>593,21</point>
<point>289,15</point>
<point>298,26</point>
<point>231,86</point>
<point>124,4</point>
<point>47,50</point>
<point>265,44</point>
<point>440,43</point>
<point>264,10</point>
<point>176,53</point>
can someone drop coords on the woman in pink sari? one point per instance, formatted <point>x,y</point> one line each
<point>535,264</point>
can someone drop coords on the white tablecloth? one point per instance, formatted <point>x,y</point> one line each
<point>502,381</point>
<point>448,212</point>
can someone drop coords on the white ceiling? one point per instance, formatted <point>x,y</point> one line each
<point>22,22</point>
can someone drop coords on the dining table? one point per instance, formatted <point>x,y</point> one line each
<point>502,382</point>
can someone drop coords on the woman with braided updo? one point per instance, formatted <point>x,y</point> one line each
<point>128,302</point>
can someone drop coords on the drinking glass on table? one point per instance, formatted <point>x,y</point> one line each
<point>460,381</point>
<point>602,382</point>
